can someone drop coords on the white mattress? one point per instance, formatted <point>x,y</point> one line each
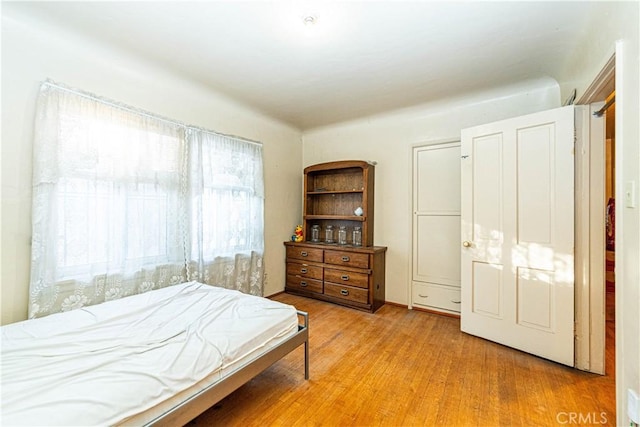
<point>102,364</point>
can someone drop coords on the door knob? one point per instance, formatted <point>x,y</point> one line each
<point>466,244</point>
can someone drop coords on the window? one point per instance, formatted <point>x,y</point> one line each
<point>118,181</point>
<point>125,202</point>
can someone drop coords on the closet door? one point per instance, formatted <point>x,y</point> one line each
<point>435,281</point>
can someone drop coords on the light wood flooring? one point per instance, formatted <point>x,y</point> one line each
<point>399,367</point>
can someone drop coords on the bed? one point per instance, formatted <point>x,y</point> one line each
<point>158,358</point>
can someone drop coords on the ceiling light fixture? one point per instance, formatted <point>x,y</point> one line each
<point>310,20</point>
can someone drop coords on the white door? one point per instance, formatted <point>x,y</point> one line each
<point>435,281</point>
<point>517,233</point>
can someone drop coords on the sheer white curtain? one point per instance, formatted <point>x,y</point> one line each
<point>122,205</point>
<point>227,193</point>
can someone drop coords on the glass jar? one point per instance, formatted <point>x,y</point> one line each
<point>342,235</point>
<point>356,239</point>
<point>315,233</point>
<point>328,234</point>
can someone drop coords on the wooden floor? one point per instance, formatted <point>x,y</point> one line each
<point>399,367</point>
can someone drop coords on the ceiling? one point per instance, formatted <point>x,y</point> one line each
<point>358,59</point>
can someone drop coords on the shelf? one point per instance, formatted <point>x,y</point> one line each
<point>315,193</point>
<point>331,202</point>
<point>336,217</point>
<point>334,191</point>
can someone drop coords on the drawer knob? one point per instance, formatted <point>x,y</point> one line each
<point>303,270</point>
<point>456,302</point>
<point>303,253</point>
<point>344,292</point>
<point>303,284</point>
<point>423,296</point>
<point>345,258</point>
<point>344,277</point>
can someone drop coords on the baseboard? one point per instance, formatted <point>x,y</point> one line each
<point>424,310</point>
<point>275,295</point>
<point>395,304</point>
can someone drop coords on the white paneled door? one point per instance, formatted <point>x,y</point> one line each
<point>435,283</point>
<point>517,233</point>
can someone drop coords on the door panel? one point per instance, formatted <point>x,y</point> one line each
<point>535,285</point>
<point>535,179</point>
<point>487,210</point>
<point>517,233</point>
<point>487,292</point>
<point>438,255</point>
<point>437,183</point>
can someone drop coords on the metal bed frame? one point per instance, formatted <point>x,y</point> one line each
<point>199,402</point>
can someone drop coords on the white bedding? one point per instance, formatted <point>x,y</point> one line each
<point>102,364</point>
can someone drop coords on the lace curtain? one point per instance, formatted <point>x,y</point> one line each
<point>226,189</point>
<point>125,202</point>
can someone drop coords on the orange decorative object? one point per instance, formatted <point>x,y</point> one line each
<point>298,236</point>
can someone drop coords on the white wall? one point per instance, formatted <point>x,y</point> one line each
<point>627,222</point>
<point>32,52</point>
<point>388,140</point>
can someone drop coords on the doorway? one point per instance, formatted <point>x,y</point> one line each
<point>610,185</point>
<point>592,192</point>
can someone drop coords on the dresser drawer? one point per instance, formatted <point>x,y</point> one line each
<point>302,283</point>
<point>304,270</point>
<point>351,259</point>
<point>347,293</point>
<point>436,297</point>
<point>308,254</point>
<point>349,278</point>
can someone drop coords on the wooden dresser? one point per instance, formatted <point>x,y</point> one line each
<point>350,276</point>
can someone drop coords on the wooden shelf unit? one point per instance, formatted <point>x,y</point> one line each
<point>349,275</point>
<point>333,191</point>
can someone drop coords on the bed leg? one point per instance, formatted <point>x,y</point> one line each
<point>306,359</point>
<point>305,325</point>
